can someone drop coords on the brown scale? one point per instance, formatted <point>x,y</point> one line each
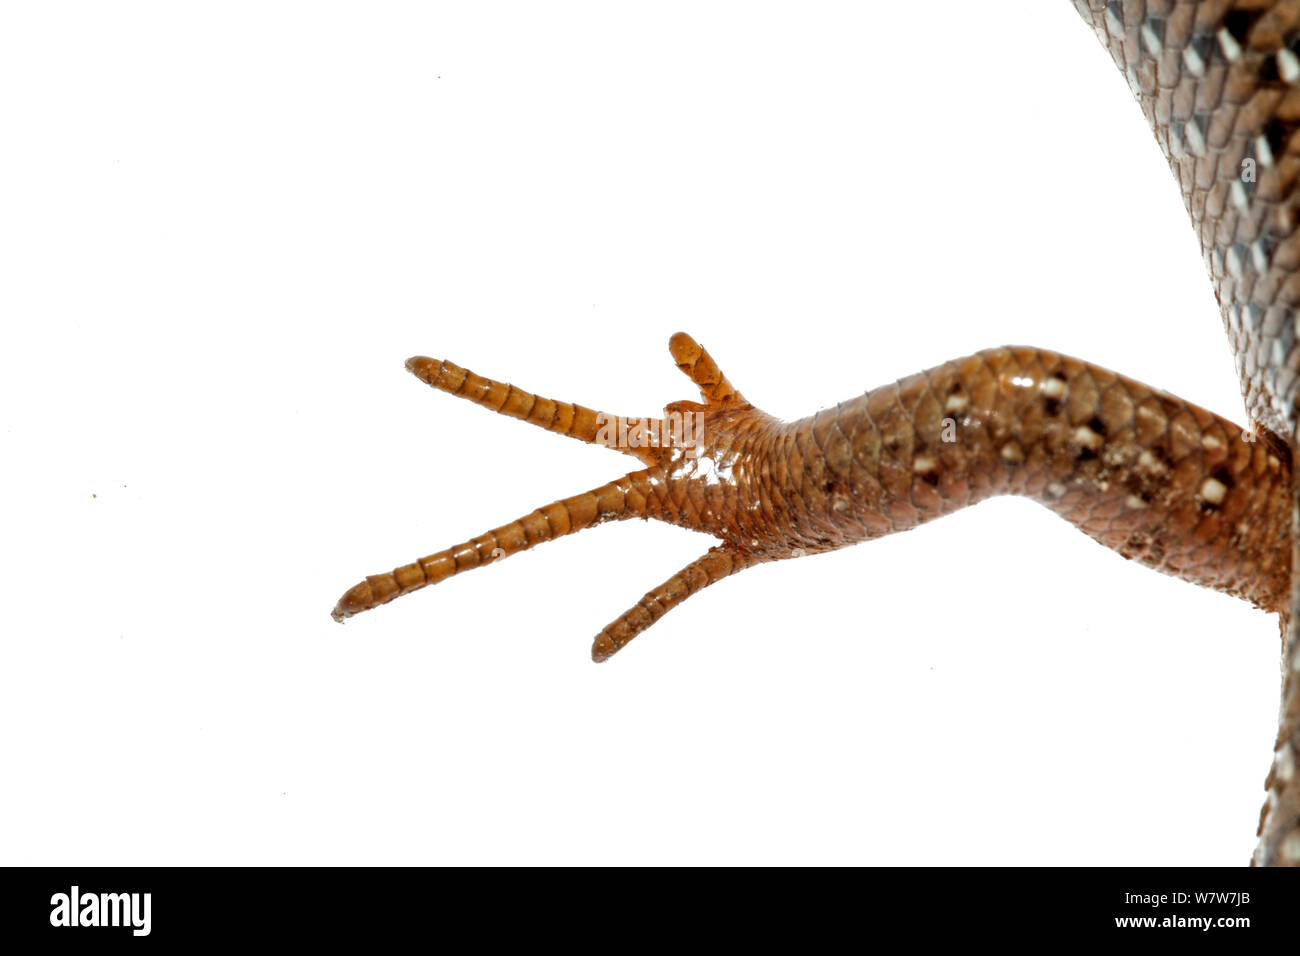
<point>1219,82</point>
<point>1155,478</point>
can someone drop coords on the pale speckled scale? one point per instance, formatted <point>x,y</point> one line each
<point>1217,82</point>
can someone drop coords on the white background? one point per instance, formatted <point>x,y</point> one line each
<point>223,231</point>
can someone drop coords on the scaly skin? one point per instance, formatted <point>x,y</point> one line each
<point>1219,82</point>
<point>1155,478</point>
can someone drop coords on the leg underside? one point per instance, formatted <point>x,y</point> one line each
<point>1143,472</point>
<point>1153,477</point>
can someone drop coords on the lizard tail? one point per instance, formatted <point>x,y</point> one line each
<point>1279,821</point>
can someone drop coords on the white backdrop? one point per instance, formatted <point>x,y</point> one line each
<point>222,232</point>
